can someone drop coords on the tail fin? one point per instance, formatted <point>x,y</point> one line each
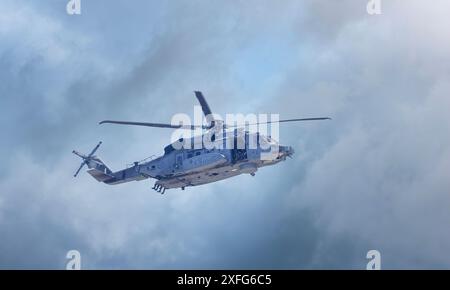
<point>97,168</point>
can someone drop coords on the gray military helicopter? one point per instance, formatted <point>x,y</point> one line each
<point>193,165</point>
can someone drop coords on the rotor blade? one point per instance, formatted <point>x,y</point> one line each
<point>205,107</point>
<point>79,154</point>
<point>81,166</point>
<point>95,149</point>
<point>281,121</point>
<point>157,125</point>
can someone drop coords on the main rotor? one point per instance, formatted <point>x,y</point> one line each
<point>211,122</point>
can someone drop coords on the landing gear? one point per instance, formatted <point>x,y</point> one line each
<point>182,188</point>
<point>252,174</point>
<point>159,188</point>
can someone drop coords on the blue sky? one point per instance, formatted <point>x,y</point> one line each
<point>376,177</point>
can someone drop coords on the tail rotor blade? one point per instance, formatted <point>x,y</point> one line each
<point>81,166</point>
<point>95,149</point>
<point>79,154</point>
<point>85,158</point>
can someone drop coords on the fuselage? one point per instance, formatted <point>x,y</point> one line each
<point>197,165</point>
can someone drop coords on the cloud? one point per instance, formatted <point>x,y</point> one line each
<point>379,185</point>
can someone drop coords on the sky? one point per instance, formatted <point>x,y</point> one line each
<point>373,178</point>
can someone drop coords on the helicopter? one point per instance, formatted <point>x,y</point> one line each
<point>181,166</point>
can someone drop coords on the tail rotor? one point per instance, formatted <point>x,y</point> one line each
<point>85,158</point>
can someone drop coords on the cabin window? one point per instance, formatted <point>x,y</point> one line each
<point>198,153</point>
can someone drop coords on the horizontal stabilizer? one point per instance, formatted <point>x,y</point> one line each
<point>99,175</point>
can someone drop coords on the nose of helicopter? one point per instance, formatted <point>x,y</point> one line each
<point>286,151</point>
